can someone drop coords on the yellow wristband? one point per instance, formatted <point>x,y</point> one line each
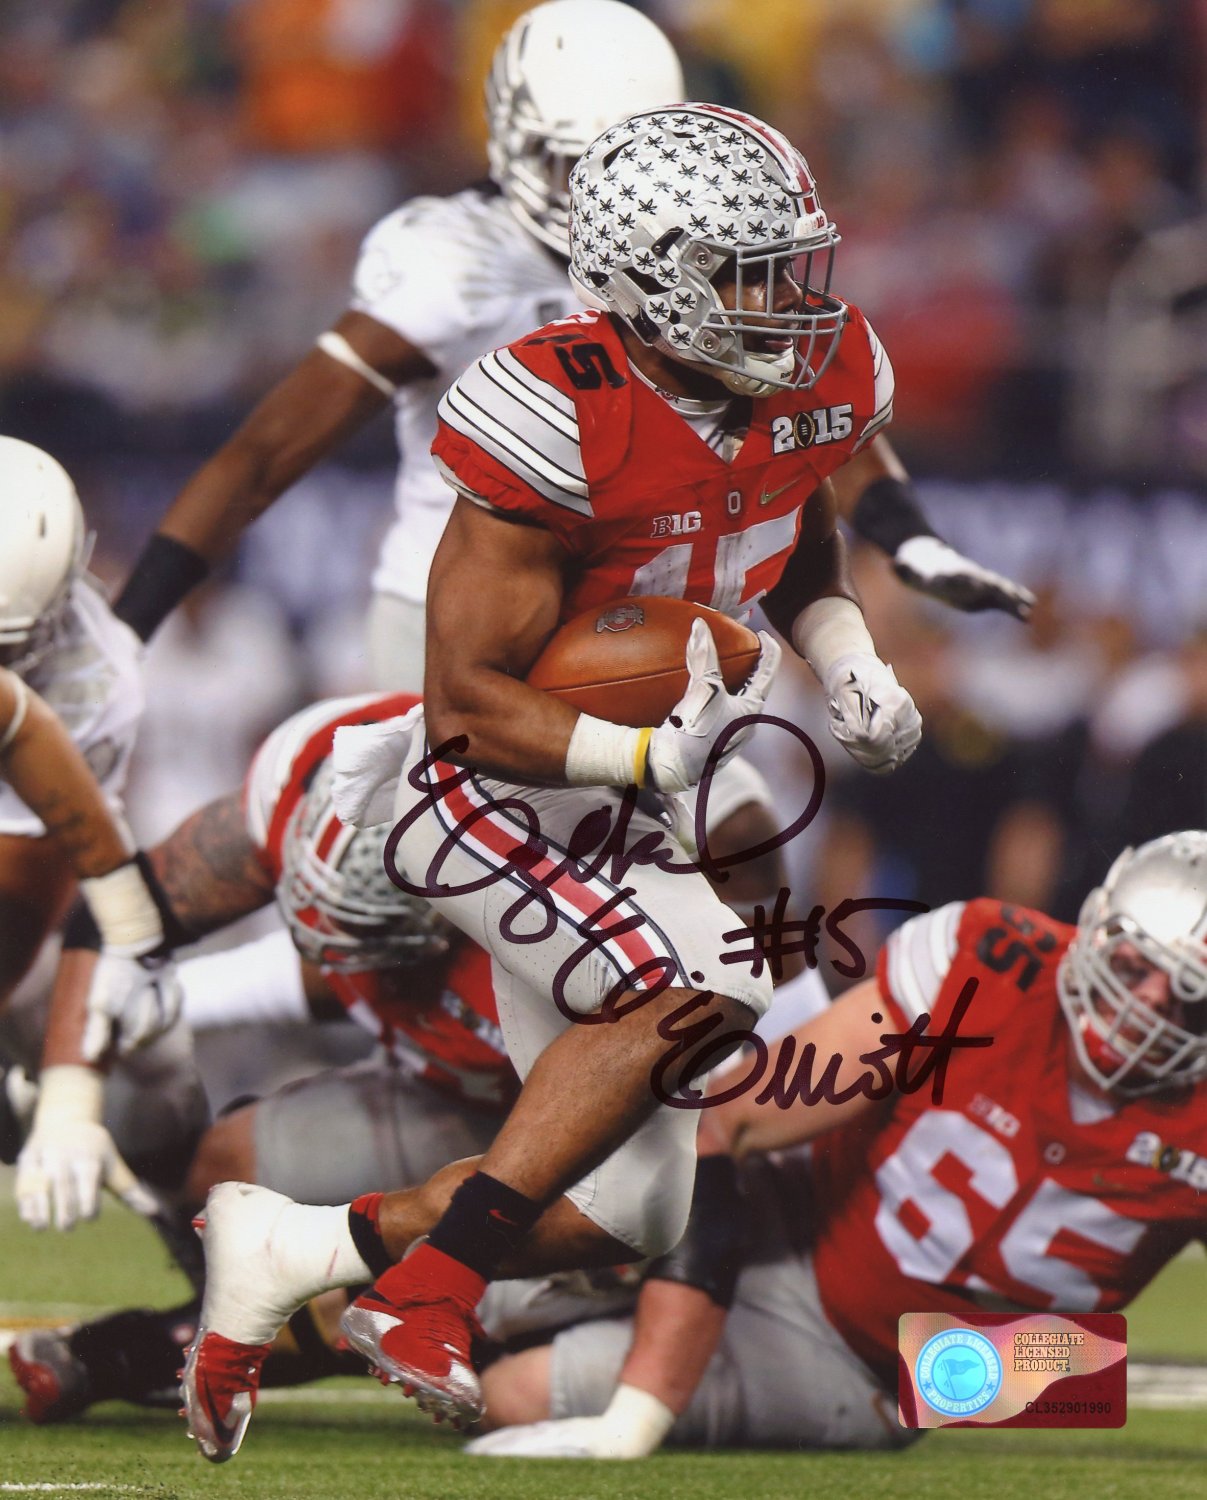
<point>641,756</point>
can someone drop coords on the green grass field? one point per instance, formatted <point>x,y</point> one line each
<point>351,1438</point>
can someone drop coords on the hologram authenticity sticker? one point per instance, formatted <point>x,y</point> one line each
<point>1012,1370</point>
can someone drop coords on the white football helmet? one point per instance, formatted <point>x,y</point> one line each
<point>342,910</point>
<point>564,72</point>
<point>41,551</point>
<point>1153,903</point>
<point>663,202</point>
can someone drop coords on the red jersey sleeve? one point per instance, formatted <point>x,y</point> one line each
<point>508,435</point>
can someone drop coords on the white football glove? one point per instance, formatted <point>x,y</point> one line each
<point>134,994</point>
<point>871,715</point>
<point>69,1155</point>
<point>130,1002</point>
<point>633,1426</point>
<point>934,568</point>
<point>680,746</point>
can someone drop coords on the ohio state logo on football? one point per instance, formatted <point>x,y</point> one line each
<point>620,617</point>
<point>825,424</point>
<point>690,520</point>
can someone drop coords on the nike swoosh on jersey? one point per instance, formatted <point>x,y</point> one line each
<point>769,495</point>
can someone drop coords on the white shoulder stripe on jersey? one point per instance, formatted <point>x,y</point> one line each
<point>499,437</point>
<point>467,416</point>
<point>539,390</point>
<point>523,407</point>
<point>881,419</point>
<point>883,371</point>
<point>559,442</point>
<point>920,954</point>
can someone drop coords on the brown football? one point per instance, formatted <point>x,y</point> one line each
<point>624,661</point>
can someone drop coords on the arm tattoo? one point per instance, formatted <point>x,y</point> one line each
<point>210,869</point>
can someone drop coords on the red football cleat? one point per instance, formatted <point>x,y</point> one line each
<point>54,1381</point>
<point>415,1327</point>
<point>219,1382</point>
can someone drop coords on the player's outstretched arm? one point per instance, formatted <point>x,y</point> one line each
<point>815,606</point>
<point>329,395</point>
<point>42,764</point>
<point>848,1030</point>
<point>875,495</point>
<point>203,876</point>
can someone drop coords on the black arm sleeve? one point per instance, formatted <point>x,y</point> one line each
<point>888,513</point>
<point>709,1255</point>
<point>165,572</point>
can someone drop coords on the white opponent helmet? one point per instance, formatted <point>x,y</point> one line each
<point>41,550</point>
<point>565,71</point>
<point>663,201</point>
<point>1154,899</point>
<point>342,909</point>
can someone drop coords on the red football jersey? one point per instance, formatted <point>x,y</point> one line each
<point>557,427</point>
<point>450,1038</point>
<point>1023,1185</point>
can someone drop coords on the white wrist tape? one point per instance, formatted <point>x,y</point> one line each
<point>603,754</point>
<point>70,1094</point>
<point>122,908</point>
<point>19,712</point>
<point>641,1420</point>
<point>340,350</point>
<point>828,629</point>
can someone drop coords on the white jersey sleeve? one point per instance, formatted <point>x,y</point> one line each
<point>92,680</point>
<point>918,956</point>
<point>444,271</point>
<point>455,277</point>
<point>885,385</point>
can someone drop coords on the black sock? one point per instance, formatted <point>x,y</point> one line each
<point>485,1222</point>
<point>135,1354</point>
<point>365,1229</point>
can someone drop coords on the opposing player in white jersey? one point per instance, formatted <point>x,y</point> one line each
<point>440,281</point>
<point>1064,1164</point>
<point>58,636</point>
<point>70,701</point>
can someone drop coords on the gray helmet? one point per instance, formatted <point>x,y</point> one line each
<point>564,72</point>
<point>665,201</point>
<point>1153,901</point>
<point>342,910</point>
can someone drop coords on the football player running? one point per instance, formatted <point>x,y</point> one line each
<point>1063,1168</point>
<point>439,281</point>
<point>694,393</point>
<point>70,701</point>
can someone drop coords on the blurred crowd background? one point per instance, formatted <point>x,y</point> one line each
<point>1020,187</point>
